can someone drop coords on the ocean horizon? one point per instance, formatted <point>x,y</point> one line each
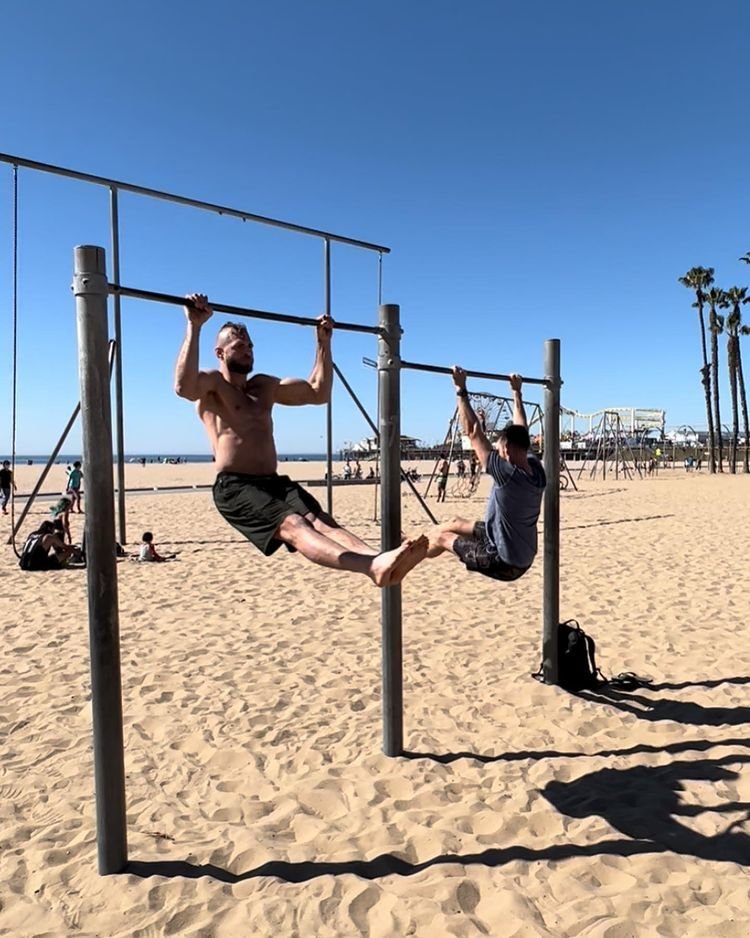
<point>24,458</point>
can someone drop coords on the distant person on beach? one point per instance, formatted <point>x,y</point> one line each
<point>266,508</point>
<point>504,545</point>
<point>442,479</point>
<point>6,484</point>
<point>461,468</point>
<point>73,486</point>
<point>148,552</point>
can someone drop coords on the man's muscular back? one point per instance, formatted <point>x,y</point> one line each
<point>239,423</point>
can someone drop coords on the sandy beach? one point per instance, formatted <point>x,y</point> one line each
<point>259,801</point>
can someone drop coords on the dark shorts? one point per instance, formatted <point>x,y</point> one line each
<point>478,554</point>
<point>256,505</point>
<point>442,482</point>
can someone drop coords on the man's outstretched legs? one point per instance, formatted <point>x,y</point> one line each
<point>326,525</point>
<point>384,569</point>
<point>444,535</point>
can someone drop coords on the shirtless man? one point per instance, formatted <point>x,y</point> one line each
<point>269,509</point>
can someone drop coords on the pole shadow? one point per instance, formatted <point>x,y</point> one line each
<point>714,682</point>
<point>386,864</point>
<point>694,745</point>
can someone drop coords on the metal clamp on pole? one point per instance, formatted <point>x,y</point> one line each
<point>91,292</point>
<point>551,585</point>
<point>389,394</point>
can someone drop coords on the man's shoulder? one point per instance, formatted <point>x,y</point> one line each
<point>260,379</point>
<point>537,467</point>
<point>209,378</point>
<point>500,469</point>
<point>263,386</point>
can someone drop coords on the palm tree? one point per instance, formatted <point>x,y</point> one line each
<point>736,296</point>
<point>716,298</point>
<point>743,330</point>
<point>698,279</point>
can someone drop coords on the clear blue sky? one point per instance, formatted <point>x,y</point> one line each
<point>539,169</point>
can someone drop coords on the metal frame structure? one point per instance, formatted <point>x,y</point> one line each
<point>115,187</point>
<point>91,290</point>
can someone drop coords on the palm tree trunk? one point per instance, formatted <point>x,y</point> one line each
<point>743,400</point>
<point>715,386</point>
<point>731,362</point>
<point>705,380</point>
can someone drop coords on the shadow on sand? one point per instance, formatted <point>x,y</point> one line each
<point>599,524</point>
<point>640,802</point>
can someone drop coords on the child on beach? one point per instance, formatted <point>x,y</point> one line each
<point>73,485</point>
<point>148,552</point>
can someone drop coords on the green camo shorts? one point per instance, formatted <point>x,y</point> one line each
<point>256,505</point>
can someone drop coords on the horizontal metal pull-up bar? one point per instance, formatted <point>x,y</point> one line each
<point>440,369</point>
<point>172,300</point>
<point>194,203</point>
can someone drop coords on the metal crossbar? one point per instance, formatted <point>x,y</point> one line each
<point>442,370</point>
<point>184,200</point>
<point>170,299</point>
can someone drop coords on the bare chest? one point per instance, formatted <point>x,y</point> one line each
<point>238,409</point>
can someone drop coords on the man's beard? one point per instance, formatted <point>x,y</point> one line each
<point>238,368</point>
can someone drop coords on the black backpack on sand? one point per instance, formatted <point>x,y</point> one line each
<point>576,663</point>
<point>576,658</point>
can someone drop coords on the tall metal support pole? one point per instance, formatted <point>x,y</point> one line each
<point>90,288</point>
<point>119,411</point>
<point>551,585</point>
<point>389,409</point>
<point>329,405</point>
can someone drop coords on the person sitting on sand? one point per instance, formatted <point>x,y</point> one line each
<point>504,545</point>
<point>266,508</point>
<point>44,549</point>
<point>148,552</point>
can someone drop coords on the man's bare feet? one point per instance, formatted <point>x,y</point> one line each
<point>390,567</point>
<point>409,559</point>
<point>435,549</point>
